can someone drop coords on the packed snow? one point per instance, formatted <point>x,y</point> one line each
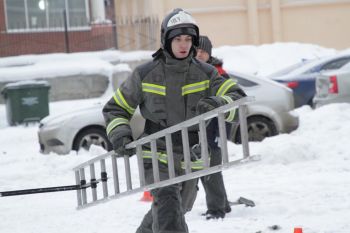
<point>301,180</point>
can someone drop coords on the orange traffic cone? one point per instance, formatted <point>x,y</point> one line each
<point>147,196</point>
<point>298,230</point>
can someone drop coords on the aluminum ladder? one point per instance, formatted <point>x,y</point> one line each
<point>123,183</point>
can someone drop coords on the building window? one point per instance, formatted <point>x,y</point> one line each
<point>46,14</point>
<point>16,16</point>
<point>77,13</point>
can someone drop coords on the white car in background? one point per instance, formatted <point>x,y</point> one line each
<point>270,113</point>
<point>79,129</point>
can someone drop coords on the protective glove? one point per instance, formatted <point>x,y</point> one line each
<point>119,145</point>
<point>209,103</point>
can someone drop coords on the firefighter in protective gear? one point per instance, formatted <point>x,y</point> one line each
<point>168,90</point>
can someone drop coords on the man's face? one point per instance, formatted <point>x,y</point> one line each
<point>202,55</point>
<point>181,46</point>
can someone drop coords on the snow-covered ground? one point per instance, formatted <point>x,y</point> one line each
<point>302,179</point>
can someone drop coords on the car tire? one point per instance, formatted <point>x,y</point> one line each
<point>258,128</point>
<point>92,136</point>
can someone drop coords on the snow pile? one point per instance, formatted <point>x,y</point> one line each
<point>266,59</point>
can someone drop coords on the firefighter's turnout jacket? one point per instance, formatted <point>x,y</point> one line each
<point>167,91</point>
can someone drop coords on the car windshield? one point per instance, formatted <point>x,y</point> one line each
<point>289,69</point>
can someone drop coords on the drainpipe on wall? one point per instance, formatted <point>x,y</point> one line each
<point>253,22</point>
<point>66,36</point>
<point>276,20</point>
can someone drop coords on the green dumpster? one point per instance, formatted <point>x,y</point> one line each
<point>26,101</point>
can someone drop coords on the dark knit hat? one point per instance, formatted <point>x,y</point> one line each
<point>205,44</point>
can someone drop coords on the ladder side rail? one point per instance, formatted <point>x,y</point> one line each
<point>127,172</point>
<point>77,182</point>
<point>204,143</point>
<point>244,129</point>
<point>155,165</point>
<point>190,122</point>
<point>140,165</point>
<point>93,182</point>
<point>195,174</point>
<point>170,154</point>
<point>186,150</point>
<point>117,196</point>
<point>223,137</point>
<point>83,182</point>
<point>104,178</point>
<point>115,174</point>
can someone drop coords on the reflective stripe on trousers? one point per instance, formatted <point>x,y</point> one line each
<point>163,158</point>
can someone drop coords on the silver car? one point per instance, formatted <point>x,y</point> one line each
<point>79,129</point>
<point>267,116</point>
<point>270,113</point>
<point>333,87</point>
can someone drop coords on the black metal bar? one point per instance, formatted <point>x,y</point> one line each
<point>115,34</point>
<point>48,189</point>
<point>40,190</point>
<point>66,37</point>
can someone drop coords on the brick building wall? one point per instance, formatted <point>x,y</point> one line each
<point>96,37</point>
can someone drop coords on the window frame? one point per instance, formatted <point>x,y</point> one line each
<point>48,28</point>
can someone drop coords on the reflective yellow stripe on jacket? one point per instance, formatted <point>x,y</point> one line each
<point>153,88</point>
<point>114,123</point>
<point>195,87</point>
<point>222,91</point>
<point>120,100</point>
<point>225,86</point>
<point>187,89</point>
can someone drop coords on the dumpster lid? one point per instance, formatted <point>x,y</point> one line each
<point>25,84</point>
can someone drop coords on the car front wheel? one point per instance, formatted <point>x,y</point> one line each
<point>92,136</point>
<point>258,129</point>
